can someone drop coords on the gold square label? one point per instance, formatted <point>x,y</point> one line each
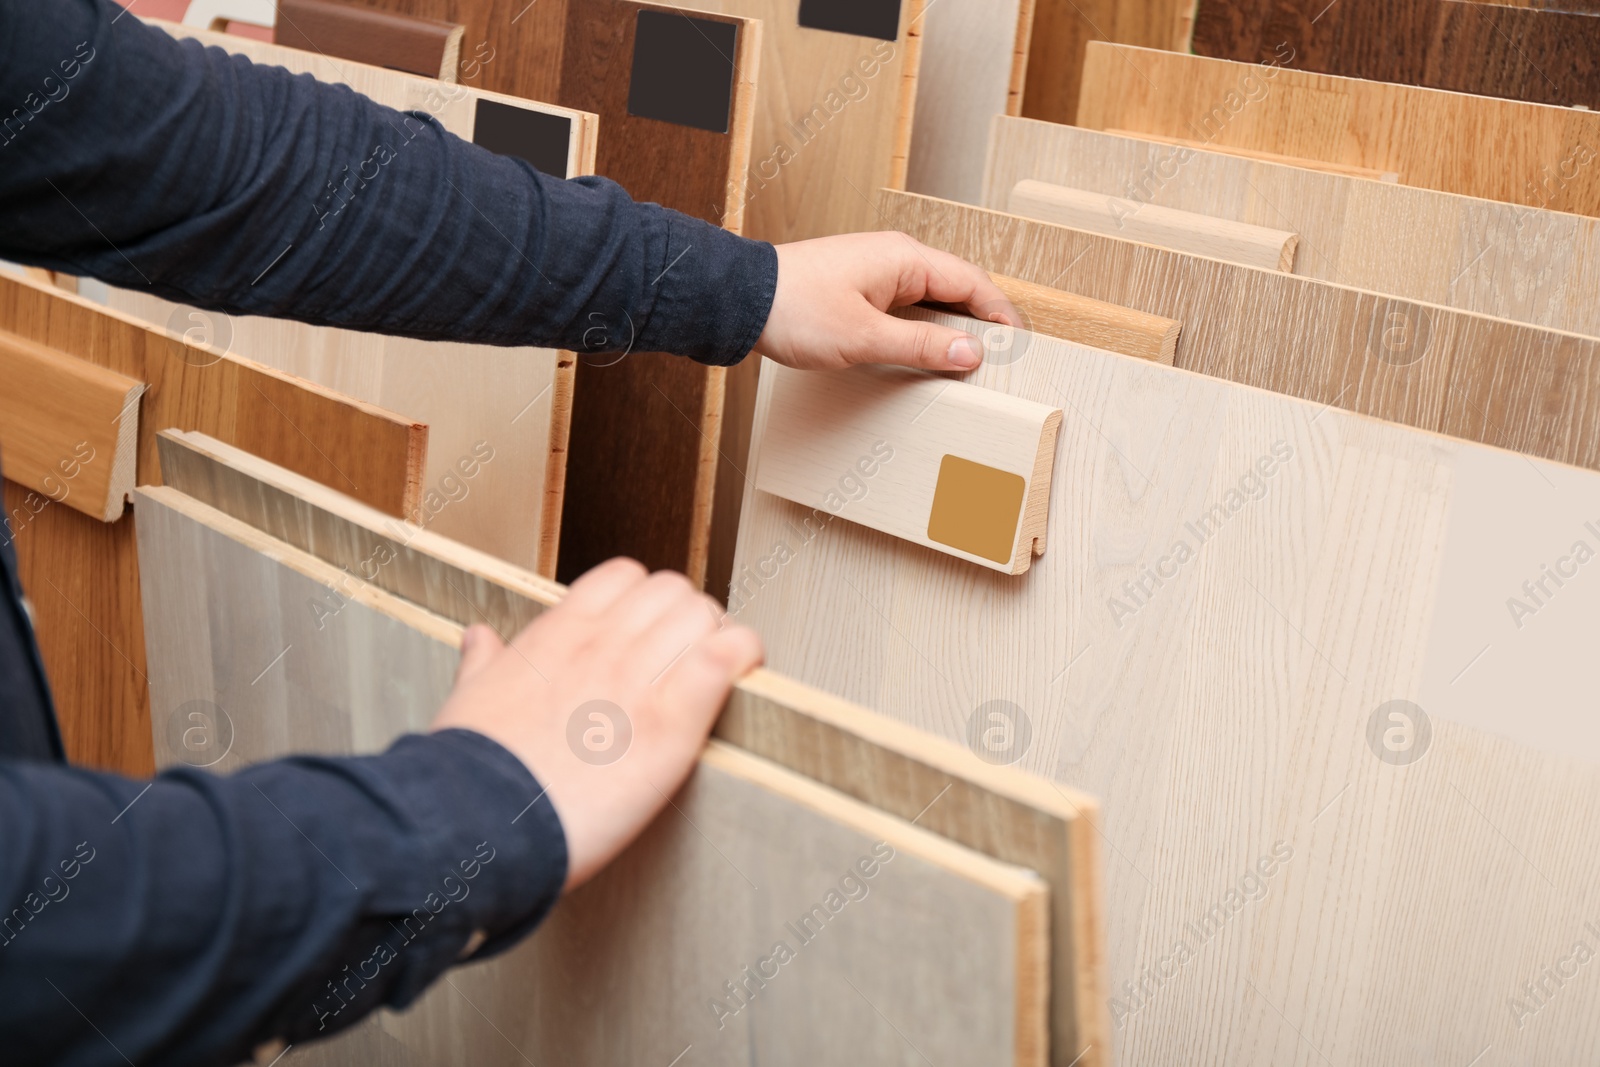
<point>976,508</point>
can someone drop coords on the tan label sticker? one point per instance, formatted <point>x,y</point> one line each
<point>976,508</point>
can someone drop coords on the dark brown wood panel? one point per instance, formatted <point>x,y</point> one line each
<point>510,46</point>
<point>425,46</point>
<point>1518,53</point>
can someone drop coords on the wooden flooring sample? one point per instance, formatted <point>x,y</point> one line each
<point>987,41</point>
<point>1524,264</point>
<point>1469,376</point>
<point>497,417</point>
<point>83,576</point>
<point>1096,323</point>
<point>1184,231</point>
<point>938,462</point>
<point>1275,638</point>
<point>1013,817</point>
<point>349,30</point>
<point>1063,28</point>
<point>1428,137</point>
<point>69,429</point>
<point>1545,57</point>
<point>745,860</point>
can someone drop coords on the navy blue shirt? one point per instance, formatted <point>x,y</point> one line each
<point>193,918</point>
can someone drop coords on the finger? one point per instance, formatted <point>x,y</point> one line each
<point>671,636</point>
<point>479,645</point>
<point>602,586</point>
<point>913,343</point>
<point>645,606</point>
<point>694,689</point>
<point>948,279</point>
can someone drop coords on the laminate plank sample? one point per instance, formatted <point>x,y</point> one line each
<point>1274,637</point>
<point>1063,28</point>
<point>1183,231</point>
<point>987,41</point>
<point>68,429</point>
<point>1545,57</point>
<point>498,417</point>
<point>1013,817</point>
<point>1474,377</point>
<point>1269,157</point>
<point>429,47</point>
<point>651,966</point>
<point>1525,264</point>
<point>1428,137</point>
<point>83,576</point>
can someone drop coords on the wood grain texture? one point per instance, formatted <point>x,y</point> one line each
<point>1542,156</point>
<point>1096,323</point>
<point>512,404</point>
<point>83,575</point>
<point>987,41</point>
<point>1151,224</point>
<point>1345,169</point>
<point>429,47</point>
<point>1063,28</point>
<point>651,961</point>
<point>1470,376</point>
<point>1533,266</point>
<point>1546,57</point>
<point>1290,880</point>
<point>69,429</point>
<point>509,46</point>
<point>875,445</point>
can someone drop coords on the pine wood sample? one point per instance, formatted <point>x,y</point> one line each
<point>82,576</point>
<point>69,429</point>
<point>1429,137</point>
<point>1470,376</point>
<point>351,681</point>
<point>1240,588</point>
<point>348,30</point>
<point>1096,323</point>
<point>1518,263</point>
<point>987,41</point>
<point>1011,817</point>
<point>1184,231</point>
<point>935,461</point>
<point>500,413</point>
<point>1546,57</point>
<point>1062,29</point>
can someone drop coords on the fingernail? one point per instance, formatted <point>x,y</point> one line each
<point>964,353</point>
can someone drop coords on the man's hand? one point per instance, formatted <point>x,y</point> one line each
<point>607,698</point>
<point>834,293</point>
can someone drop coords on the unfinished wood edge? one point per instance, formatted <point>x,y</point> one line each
<point>125,463</point>
<point>1031,1029</point>
<point>1286,258</point>
<point>1036,509</point>
<point>1091,985</point>
<point>698,549</point>
<point>450,62</point>
<point>741,130</point>
<point>584,152</point>
<point>1349,170</point>
<point>1167,353</point>
<point>555,464</point>
<point>217,458</point>
<point>1007,879</point>
<point>344,584</point>
<point>906,106</point>
<point>1022,45</point>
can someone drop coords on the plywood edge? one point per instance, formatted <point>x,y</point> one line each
<point>1068,316</point>
<point>741,130</point>
<point>555,470</point>
<point>906,106</point>
<point>1022,46</point>
<point>344,584</point>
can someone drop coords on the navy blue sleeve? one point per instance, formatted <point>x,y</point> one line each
<point>196,918</point>
<point>161,165</point>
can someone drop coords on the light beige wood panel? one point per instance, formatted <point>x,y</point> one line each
<point>497,417</point>
<point>1239,584</point>
<point>1345,169</point>
<point>1526,264</point>
<point>1471,376</point>
<point>68,428</point>
<point>832,121</point>
<point>987,42</point>
<point>1541,155</point>
<point>750,857</point>
<point>1185,231</point>
<point>938,462</point>
<point>1013,817</point>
